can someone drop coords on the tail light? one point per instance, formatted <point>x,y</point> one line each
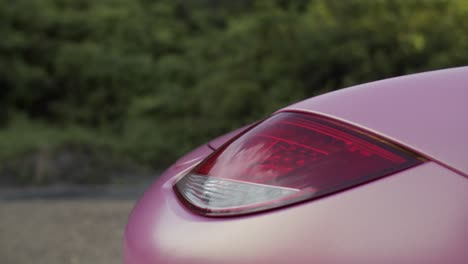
<point>288,158</point>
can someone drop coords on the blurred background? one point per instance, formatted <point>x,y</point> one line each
<point>110,92</point>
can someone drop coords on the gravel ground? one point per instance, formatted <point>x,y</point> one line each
<point>62,231</point>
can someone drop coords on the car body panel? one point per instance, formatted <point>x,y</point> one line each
<point>425,112</point>
<point>415,216</point>
<point>194,156</point>
<point>418,215</point>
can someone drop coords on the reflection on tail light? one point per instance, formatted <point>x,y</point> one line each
<point>288,158</point>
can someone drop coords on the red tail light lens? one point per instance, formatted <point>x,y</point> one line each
<point>288,158</point>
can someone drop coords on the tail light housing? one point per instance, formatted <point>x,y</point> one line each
<point>288,158</point>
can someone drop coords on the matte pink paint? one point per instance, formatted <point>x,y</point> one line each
<point>415,216</point>
<point>418,215</point>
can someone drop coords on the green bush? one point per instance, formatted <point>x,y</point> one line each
<point>150,80</point>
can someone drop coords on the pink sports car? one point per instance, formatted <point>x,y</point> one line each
<point>375,173</point>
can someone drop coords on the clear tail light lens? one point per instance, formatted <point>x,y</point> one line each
<point>288,158</point>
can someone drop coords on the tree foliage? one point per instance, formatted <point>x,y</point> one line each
<point>159,77</point>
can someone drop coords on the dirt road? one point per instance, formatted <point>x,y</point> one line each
<point>62,231</point>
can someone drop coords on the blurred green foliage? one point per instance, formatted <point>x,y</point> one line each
<point>152,79</point>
